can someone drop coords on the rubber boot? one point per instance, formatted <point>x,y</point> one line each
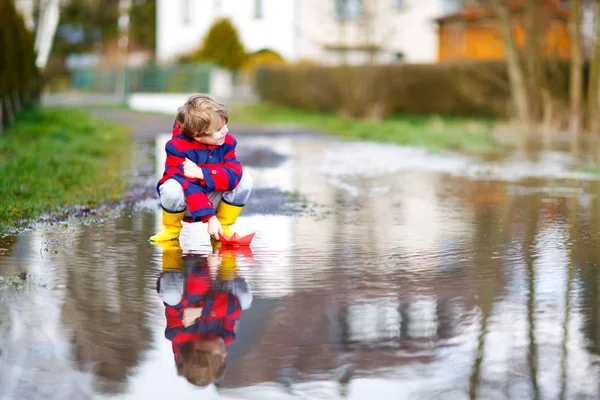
<point>227,215</point>
<point>171,227</point>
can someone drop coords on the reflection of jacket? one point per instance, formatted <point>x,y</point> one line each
<point>222,171</point>
<point>219,315</point>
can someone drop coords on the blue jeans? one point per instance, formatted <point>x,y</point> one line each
<point>173,199</point>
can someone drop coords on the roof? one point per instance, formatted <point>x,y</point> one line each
<point>553,7</point>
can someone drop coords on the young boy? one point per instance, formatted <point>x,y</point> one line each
<point>203,180</point>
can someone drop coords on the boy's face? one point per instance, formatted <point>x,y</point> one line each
<point>217,138</point>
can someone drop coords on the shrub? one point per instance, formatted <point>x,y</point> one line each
<point>261,58</point>
<point>221,46</point>
<point>458,89</point>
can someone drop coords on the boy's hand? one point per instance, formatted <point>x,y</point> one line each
<point>214,227</point>
<point>190,315</point>
<point>191,170</point>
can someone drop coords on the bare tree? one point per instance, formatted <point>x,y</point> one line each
<point>528,70</point>
<point>533,55</point>
<point>576,74</point>
<point>594,76</point>
<point>518,83</point>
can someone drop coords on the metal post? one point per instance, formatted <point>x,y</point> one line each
<point>124,9</point>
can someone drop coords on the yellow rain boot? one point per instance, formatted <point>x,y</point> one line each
<point>227,215</point>
<point>171,227</point>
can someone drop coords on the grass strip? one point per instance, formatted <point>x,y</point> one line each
<point>469,135</point>
<point>56,157</point>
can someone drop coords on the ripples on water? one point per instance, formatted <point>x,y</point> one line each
<point>416,276</point>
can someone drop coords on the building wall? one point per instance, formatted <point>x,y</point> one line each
<point>180,32</point>
<point>408,30</point>
<point>304,29</point>
<point>417,36</point>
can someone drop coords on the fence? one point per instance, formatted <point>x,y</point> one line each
<point>154,79</point>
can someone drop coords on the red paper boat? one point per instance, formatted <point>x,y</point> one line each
<point>236,240</point>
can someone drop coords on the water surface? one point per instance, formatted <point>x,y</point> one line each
<point>377,271</point>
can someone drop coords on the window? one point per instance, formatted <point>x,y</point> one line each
<point>348,10</point>
<point>258,9</point>
<point>399,3</point>
<point>186,17</point>
<point>452,6</point>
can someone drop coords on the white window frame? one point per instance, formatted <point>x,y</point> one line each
<point>186,12</point>
<point>348,10</point>
<point>259,9</point>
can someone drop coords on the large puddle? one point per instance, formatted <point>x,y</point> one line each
<point>376,272</point>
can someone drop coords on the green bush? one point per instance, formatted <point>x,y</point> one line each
<point>458,89</point>
<point>221,46</point>
<point>19,77</point>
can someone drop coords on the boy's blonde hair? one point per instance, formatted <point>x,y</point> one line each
<point>200,368</point>
<point>201,115</point>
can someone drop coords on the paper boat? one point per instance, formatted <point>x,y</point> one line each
<point>236,240</point>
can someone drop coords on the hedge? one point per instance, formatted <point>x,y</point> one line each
<point>449,89</point>
<point>19,77</point>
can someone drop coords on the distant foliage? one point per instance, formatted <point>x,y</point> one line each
<point>19,77</point>
<point>261,58</point>
<point>373,92</point>
<point>85,23</point>
<point>221,46</point>
<point>143,23</point>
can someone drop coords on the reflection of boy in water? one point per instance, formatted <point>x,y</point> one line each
<point>200,320</point>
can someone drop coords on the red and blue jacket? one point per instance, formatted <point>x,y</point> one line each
<point>220,312</point>
<point>220,167</point>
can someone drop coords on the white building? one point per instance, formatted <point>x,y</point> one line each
<point>328,31</point>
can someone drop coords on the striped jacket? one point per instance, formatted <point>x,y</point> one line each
<point>220,167</point>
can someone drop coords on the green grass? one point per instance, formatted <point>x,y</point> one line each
<point>56,157</point>
<point>436,133</point>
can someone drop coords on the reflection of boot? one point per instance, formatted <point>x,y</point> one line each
<point>215,244</point>
<point>172,259</point>
<point>231,282</point>
<point>228,268</point>
<point>227,215</point>
<point>171,227</point>
<point>170,284</point>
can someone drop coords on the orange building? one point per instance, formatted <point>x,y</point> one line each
<point>474,34</point>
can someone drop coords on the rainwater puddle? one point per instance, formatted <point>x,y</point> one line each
<point>397,274</point>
